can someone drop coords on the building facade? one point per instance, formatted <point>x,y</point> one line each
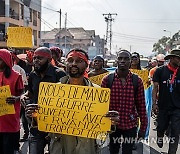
<point>20,13</point>
<point>70,38</point>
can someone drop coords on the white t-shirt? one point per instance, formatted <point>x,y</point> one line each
<point>20,70</point>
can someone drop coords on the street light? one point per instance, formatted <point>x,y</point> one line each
<point>168,32</point>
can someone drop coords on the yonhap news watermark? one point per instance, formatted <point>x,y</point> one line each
<point>151,140</point>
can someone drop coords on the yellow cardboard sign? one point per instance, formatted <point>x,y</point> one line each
<point>98,78</point>
<point>19,37</point>
<point>4,107</point>
<point>144,76</point>
<point>73,110</point>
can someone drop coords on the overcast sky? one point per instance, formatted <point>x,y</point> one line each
<point>138,25</point>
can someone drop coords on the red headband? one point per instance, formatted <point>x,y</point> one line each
<point>43,54</point>
<point>78,54</point>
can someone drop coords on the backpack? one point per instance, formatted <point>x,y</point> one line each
<point>134,81</point>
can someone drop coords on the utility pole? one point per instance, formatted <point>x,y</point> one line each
<point>108,20</point>
<point>65,31</point>
<point>59,24</point>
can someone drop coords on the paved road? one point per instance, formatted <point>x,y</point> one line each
<point>142,148</point>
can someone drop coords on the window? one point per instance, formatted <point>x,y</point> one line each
<point>39,15</point>
<point>22,11</point>
<point>39,34</point>
<point>30,11</point>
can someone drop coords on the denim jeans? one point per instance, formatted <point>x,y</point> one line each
<point>37,141</point>
<point>126,147</point>
<point>24,120</point>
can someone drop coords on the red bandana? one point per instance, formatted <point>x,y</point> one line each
<point>78,54</point>
<point>43,54</point>
<point>174,70</point>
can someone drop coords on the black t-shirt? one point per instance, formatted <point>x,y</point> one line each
<point>169,94</point>
<point>53,75</point>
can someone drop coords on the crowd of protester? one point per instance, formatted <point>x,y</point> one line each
<point>127,98</point>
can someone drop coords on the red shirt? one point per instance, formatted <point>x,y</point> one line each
<point>11,122</point>
<point>122,100</point>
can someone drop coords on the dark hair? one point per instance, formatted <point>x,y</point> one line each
<point>78,50</point>
<point>56,50</point>
<point>7,71</point>
<point>123,50</point>
<point>139,62</point>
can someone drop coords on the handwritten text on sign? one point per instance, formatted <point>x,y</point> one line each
<point>98,78</point>
<point>144,76</point>
<point>4,107</point>
<point>73,110</point>
<point>19,37</point>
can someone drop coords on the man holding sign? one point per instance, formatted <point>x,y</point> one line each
<point>9,121</point>
<point>77,62</point>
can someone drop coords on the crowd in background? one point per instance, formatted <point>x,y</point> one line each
<point>23,75</point>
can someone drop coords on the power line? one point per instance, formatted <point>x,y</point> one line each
<point>127,37</point>
<point>143,37</point>
<point>94,7</point>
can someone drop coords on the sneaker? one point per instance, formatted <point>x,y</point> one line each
<point>24,138</point>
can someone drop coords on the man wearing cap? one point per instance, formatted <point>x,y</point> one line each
<point>166,82</point>
<point>43,72</point>
<point>98,63</point>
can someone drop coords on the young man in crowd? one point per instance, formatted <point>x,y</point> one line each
<point>135,63</point>
<point>57,53</point>
<point>129,102</point>
<point>43,72</point>
<point>98,64</point>
<point>166,80</point>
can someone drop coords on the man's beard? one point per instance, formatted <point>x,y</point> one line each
<point>78,74</point>
<point>41,68</point>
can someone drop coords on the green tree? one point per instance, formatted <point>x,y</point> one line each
<point>166,43</point>
<point>160,46</point>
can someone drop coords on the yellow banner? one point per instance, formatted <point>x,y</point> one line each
<point>4,107</point>
<point>73,110</point>
<point>19,37</point>
<point>144,76</point>
<point>98,78</point>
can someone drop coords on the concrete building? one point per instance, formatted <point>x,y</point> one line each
<point>70,38</point>
<point>14,13</point>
